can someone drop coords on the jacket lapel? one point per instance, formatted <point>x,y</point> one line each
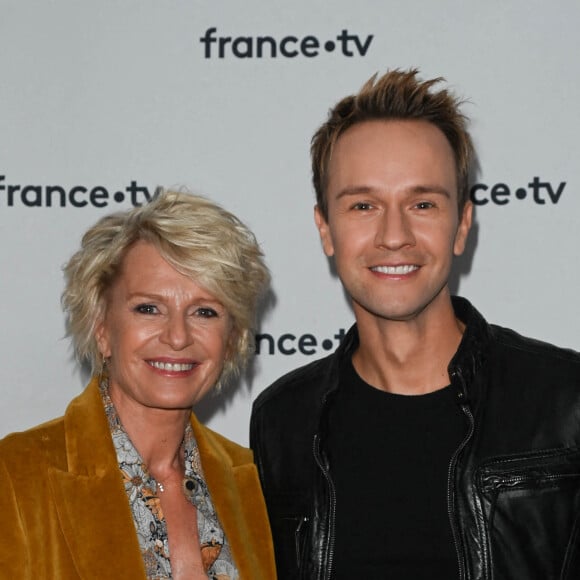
<point>219,476</point>
<point>92,506</point>
<point>237,498</point>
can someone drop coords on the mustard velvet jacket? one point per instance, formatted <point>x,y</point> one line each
<point>64,510</point>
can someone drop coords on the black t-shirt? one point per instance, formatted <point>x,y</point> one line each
<point>389,460</point>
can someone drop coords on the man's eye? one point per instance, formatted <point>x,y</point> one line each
<point>146,309</point>
<point>206,312</point>
<point>362,205</point>
<point>424,205</point>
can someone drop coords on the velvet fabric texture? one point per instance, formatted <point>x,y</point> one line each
<point>65,511</point>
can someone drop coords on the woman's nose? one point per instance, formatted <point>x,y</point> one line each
<point>177,332</point>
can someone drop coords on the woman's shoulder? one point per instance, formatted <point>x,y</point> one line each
<point>238,454</point>
<point>28,447</point>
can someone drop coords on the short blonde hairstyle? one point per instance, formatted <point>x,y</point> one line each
<point>198,238</point>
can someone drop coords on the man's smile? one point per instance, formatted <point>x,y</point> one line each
<point>399,270</point>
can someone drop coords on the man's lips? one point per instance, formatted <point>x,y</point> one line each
<point>399,270</point>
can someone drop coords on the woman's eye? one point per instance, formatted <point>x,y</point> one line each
<point>206,312</point>
<point>146,309</point>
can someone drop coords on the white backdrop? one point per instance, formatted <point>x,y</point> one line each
<point>121,96</point>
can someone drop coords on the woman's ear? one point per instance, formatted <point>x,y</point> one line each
<point>102,337</point>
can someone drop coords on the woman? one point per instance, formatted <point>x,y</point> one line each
<point>128,484</point>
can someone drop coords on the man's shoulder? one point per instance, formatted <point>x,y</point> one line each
<point>506,344</point>
<point>298,384</point>
<point>534,361</point>
<point>517,344</point>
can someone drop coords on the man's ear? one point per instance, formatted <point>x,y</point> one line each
<point>463,229</point>
<point>324,232</point>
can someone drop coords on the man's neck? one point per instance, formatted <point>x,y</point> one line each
<point>408,357</point>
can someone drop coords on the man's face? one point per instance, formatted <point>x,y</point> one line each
<point>393,224</point>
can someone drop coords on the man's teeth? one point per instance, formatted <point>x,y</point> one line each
<point>174,367</point>
<point>406,269</point>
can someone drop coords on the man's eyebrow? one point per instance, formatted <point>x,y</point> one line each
<point>415,189</point>
<point>430,189</point>
<point>354,190</point>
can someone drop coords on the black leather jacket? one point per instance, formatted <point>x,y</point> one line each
<point>514,482</point>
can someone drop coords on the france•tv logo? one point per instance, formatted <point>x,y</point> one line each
<point>290,46</point>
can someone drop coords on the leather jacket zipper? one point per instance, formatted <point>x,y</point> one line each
<point>495,483</point>
<point>331,512</point>
<point>450,494</point>
<point>492,484</point>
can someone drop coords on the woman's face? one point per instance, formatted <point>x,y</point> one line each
<point>164,336</point>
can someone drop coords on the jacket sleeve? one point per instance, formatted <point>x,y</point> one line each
<point>14,548</point>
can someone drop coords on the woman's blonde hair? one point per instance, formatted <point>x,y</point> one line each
<point>198,238</point>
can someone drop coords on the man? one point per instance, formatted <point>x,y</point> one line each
<point>430,444</point>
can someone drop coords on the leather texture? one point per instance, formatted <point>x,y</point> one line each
<point>514,483</point>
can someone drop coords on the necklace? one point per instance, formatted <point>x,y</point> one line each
<point>189,486</point>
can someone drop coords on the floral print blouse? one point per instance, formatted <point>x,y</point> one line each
<point>143,498</point>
